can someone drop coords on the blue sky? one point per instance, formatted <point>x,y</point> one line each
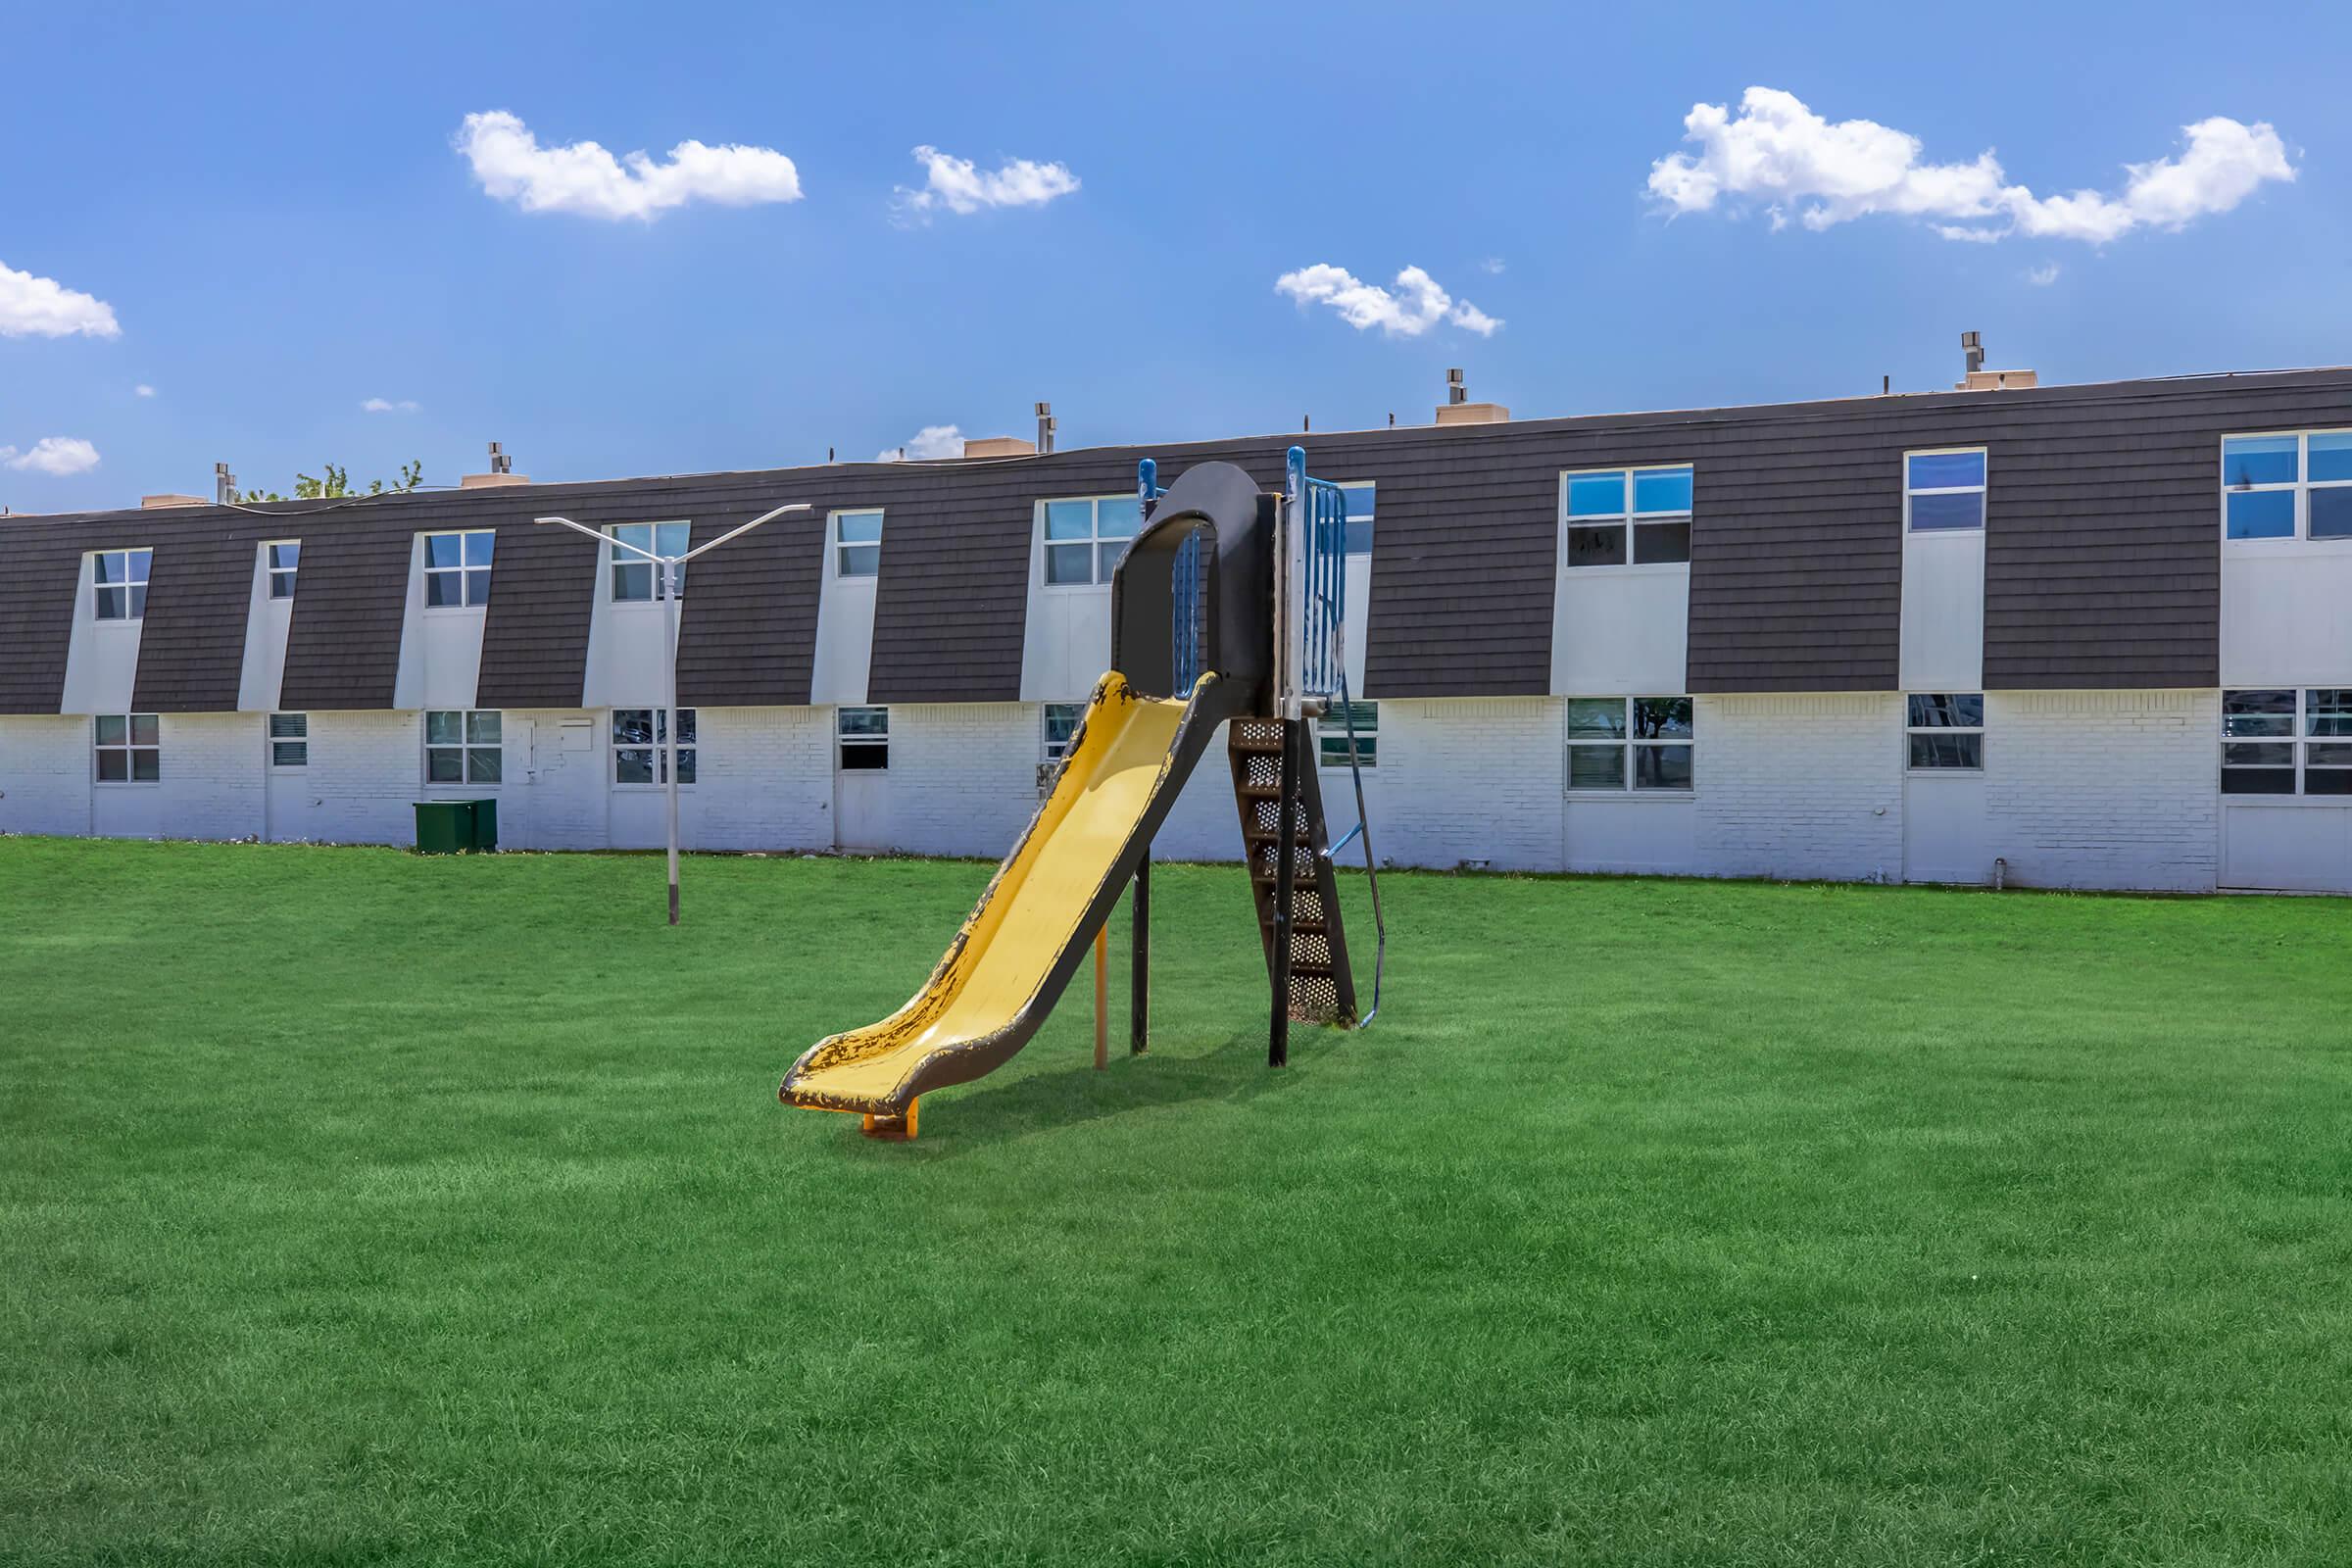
<point>270,209</point>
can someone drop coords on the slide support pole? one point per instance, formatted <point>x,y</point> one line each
<point>1278,1034</point>
<point>1102,996</point>
<point>1138,965</point>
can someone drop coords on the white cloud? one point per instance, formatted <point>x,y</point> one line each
<point>931,441</point>
<point>1417,303</point>
<point>1777,151</point>
<point>55,455</point>
<point>961,187</point>
<point>42,307</point>
<point>142,390</point>
<point>1493,266</point>
<point>584,178</point>
<point>387,406</point>
<point>2042,277</point>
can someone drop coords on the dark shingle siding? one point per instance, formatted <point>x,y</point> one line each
<point>2102,555</point>
<point>43,566</point>
<point>199,591</point>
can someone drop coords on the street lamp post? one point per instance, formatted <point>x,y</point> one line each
<point>667,743</point>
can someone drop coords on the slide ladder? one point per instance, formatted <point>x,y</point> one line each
<point>1317,979</point>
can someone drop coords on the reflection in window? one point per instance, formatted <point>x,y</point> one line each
<point>120,576</point>
<point>464,747</point>
<point>1085,537</point>
<point>862,739</point>
<point>639,736</point>
<point>2287,740</point>
<point>456,569</point>
<point>1627,516</point>
<point>1944,491</point>
<point>857,544</point>
<point>635,579</point>
<point>127,748</point>
<point>1945,729</point>
<point>1639,743</point>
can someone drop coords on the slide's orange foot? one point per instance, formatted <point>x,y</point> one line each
<point>893,1129</point>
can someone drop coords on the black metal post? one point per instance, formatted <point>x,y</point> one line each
<point>1277,1038</point>
<point>1139,967</point>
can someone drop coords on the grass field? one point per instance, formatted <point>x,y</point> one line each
<point>357,1207</point>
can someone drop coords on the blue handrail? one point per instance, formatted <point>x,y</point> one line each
<point>1184,587</point>
<point>1320,513</point>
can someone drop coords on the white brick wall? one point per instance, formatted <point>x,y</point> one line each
<point>764,780</point>
<point>214,769</point>
<point>2105,789</point>
<point>1477,778</point>
<point>962,776</point>
<point>1800,786</point>
<point>44,774</point>
<point>365,767</point>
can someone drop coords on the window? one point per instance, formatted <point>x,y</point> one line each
<point>2267,734</point>
<point>1642,743</point>
<point>456,569</point>
<point>2287,486</point>
<point>1944,491</point>
<point>462,748</point>
<point>1061,727</point>
<point>289,740</point>
<point>856,544</point>
<point>1359,518</point>
<point>1945,729</point>
<point>1331,735</point>
<point>284,555</point>
<point>120,576</point>
<point>635,579</point>
<point>1084,538</point>
<point>128,748</point>
<point>1610,511</point>
<point>864,739</point>
<point>639,735</point>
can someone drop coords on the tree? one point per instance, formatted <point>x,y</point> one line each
<point>336,484</point>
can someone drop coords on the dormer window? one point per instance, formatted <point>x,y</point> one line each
<point>119,577</point>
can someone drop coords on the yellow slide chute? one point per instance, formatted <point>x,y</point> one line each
<point>1009,963</point>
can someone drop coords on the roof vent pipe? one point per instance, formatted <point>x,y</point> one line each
<point>225,484</point>
<point>1455,392</point>
<point>499,463</point>
<point>1045,427</point>
<point>1972,344</point>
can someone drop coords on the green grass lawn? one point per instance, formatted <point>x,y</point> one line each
<point>358,1207</point>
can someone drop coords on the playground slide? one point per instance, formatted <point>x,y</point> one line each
<point>1033,926</point>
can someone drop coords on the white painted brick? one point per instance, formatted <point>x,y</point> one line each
<point>2105,789</point>
<point>1800,786</point>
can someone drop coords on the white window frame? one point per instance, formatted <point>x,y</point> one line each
<point>1331,736</point>
<point>621,557</point>
<point>132,589</point>
<point>1983,491</point>
<point>835,544</point>
<point>2302,486</point>
<point>1050,752</point>
<point>287,729</point>
<point>2300,739</point>
<point>1095,539</point>
<point>1630,519</point>
<point>128,748</point>
<point>465,746</point>
<point>1977,729</point>
<point>1626,788</point>
<point>464,570</point>
<point>843,742</point>
<point>289,576</point>
<point>656,724</point>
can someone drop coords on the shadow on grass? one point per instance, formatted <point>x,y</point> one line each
<point>958,1122</point>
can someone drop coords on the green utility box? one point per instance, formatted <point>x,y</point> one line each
<point>445,828</point>
<point>485,826</point>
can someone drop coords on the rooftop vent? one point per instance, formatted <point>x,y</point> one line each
<point>1979,379</point>
<point>1458,410</point>
<point>1047,425</point>
<point>502,471</point>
